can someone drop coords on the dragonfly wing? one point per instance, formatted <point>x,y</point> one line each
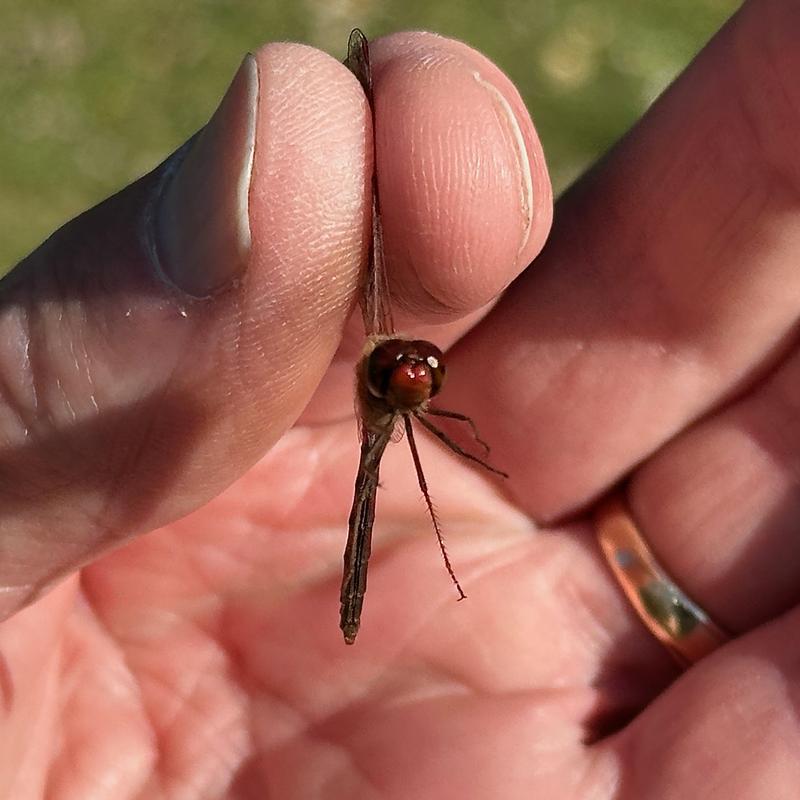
<point>375,308</point>
<point>357,60</point>
<point>359,536</point>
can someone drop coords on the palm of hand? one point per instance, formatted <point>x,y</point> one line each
<point>214,645</point>
<point>207,654</point>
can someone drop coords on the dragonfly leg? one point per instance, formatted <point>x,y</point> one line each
<point>443,437</point>
<point>440,412</point>
<point>424,486</point>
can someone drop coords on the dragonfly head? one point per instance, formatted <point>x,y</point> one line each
<point>405,373</point>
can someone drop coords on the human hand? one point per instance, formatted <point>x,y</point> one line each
<point>206,658</point>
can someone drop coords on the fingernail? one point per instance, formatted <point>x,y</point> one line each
<point>202,229</point>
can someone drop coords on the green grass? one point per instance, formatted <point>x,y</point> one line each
<point>95,94</point>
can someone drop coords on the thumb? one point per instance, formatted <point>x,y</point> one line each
<point>153,348</point>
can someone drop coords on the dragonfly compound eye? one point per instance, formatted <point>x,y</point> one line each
<point>404,373</point>
<point>434,358</point>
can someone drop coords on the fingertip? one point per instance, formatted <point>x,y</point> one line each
<point>466,197</point>
<point>311,171</point>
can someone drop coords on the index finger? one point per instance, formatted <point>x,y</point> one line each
<point>669,282</point>
<point>466,197</point>
<point>466,201</point>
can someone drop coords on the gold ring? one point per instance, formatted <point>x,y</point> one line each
<point>669,614</point>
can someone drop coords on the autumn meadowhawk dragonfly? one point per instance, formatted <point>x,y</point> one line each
<point>395,381</point>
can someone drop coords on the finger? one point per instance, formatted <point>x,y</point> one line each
<point>32,664</point>
<point>669,283</point>
<point>719,505</point>
<point>465,195</point>
<point>143,373</point>
<point>728,728</point>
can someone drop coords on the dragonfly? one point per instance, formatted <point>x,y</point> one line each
<point>396,378</point>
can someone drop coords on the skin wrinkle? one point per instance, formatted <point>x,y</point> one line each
<point>543,748</point>
<point>382,683</point>
<point>65,398</point>
<point>159,733</point>
<point>427,183</point>
<point>523,164</point>
<point>752,106</point>
<point>186,704</point>
<point>116,484</point>
<point>11,402</point>
<point>782,411</point>
<point>238,369</point>
<point>350,766</point>
<point>758,112</point>
<point>252,683</point>
<point>27,370</point>
<point>87,372</point>
<point>43,716</point>
<point>125,679</point>
<point>29,321</point>
<point>470,258</point>
<point>156,775</point>
<point>31,332</point>
<point>74,358</point>
<point>6,687</point>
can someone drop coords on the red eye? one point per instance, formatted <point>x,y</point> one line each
<point>383,360</point>
<point>405,373</point>
<point>434,358</point>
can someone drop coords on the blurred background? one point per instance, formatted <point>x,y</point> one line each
<point>94,94</point>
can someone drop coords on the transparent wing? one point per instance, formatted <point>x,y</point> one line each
<point>375,308</point>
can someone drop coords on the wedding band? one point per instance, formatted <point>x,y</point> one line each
<point>669,614</point>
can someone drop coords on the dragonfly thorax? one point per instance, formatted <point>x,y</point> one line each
<point>404,373</point>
